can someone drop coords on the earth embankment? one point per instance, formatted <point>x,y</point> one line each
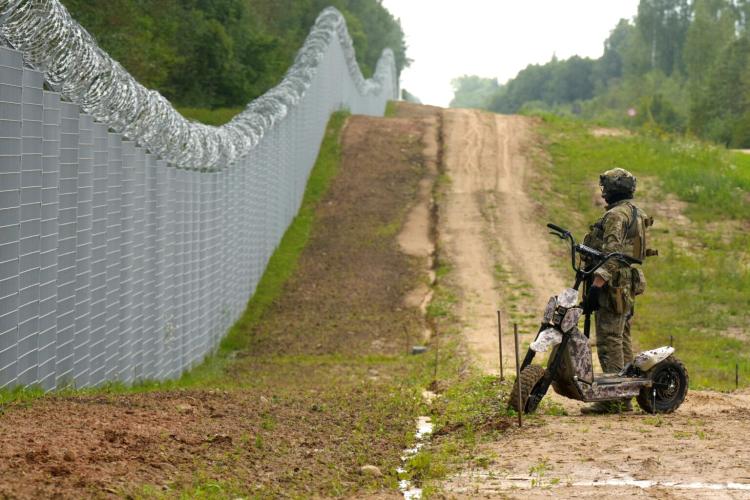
<point>320,388</point>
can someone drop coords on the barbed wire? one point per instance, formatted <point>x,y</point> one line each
<point>74,65</point>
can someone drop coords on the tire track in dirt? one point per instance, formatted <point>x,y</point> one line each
<point>486,228</point>
<point>491,234</point>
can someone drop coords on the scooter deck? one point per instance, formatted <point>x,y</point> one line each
<point>611,378</point>
<point>609,387</point>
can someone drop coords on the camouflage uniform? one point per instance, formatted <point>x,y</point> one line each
<point>621,229</point>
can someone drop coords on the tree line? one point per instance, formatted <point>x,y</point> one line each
<point>679,65</point>
<point>224,53</point>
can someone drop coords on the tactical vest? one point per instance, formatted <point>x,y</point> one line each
<point>635,231</point>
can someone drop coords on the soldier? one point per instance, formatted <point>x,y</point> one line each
<point>612,295</point>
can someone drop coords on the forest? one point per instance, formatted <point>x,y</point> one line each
<point>678,66</point>
<point>223,53</point>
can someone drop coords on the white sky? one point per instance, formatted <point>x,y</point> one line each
<point>497,38</point>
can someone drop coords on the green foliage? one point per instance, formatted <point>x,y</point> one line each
<point>658,112</point>
<point>409,97</point>
<point>680,65</point>
<point>554,83</point>
<point>224,53</point>
<point>391,109</point>
<point>741,132</point>
<point>663,26</point>
<point>712,29</point>
<point>473,91</point>
<point>721,102</point>
<point>218,116</point>
<point>611,64</point>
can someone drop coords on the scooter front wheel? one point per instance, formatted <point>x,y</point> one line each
<point>670,386</point>
<point>530,377</point>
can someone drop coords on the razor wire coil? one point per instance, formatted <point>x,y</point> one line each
<point>73,64</point>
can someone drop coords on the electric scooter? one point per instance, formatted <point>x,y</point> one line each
<point>656,378</point>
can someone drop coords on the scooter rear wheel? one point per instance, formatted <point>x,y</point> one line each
<point>670,379</point>
<point>530,376</point>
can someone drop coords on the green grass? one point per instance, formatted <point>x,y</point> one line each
<point>202,488</point>
<point>282,264</point>
<point>698,287</point>
<point>472,410</point>
<point>218,116</point>
<point>715,182</point>
<point>391,109</point>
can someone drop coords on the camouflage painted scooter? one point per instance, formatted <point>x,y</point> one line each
<point>657,379</point>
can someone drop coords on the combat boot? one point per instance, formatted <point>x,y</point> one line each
<point>601,408</point>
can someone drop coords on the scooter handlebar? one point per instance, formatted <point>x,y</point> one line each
<point>589,253</point>
<point>601,258</point>
<point>557,228</point>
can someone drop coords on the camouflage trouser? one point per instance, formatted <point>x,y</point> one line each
<point>613,337</point>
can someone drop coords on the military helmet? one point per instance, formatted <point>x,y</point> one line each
<point>618,182</point>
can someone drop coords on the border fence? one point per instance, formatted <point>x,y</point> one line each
<point>130,238</point>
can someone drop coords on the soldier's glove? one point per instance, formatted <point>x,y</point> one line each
<point>592,299</point>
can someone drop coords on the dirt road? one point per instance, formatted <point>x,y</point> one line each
<point>487,230</point>
<point>500,254</point>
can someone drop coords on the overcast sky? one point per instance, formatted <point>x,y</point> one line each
<point>497,38</point>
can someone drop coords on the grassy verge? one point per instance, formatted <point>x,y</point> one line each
<point>391,109</point>
<point>471,407</point>
<point>700,197</point>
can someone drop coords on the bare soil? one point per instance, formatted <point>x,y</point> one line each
<point>323,390</point>
<point>488,224</point>
<point>498,246</point>
<point>416,237</point>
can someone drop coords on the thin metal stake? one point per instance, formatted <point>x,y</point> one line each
<point>671,340</point>
<point>406,334</point>
<point>500,343</point>
<point>437,349</point>
<point>737,376</point>
<point>518,377</point>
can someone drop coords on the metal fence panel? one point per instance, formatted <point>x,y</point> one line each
<point>124,254</point>
<point>11,81</point>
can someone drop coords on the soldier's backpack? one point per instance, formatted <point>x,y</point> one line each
<point>640,251</point>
